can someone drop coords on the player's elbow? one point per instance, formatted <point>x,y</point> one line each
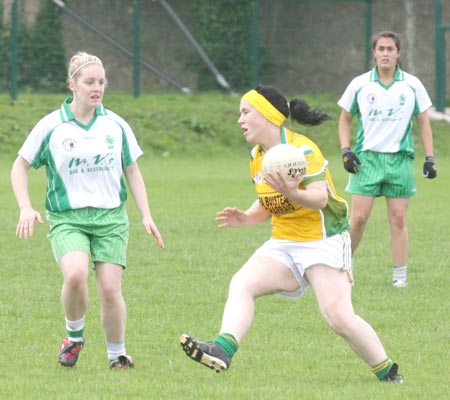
<point>322,202</point>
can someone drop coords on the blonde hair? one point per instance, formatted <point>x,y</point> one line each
<point>78,61</point>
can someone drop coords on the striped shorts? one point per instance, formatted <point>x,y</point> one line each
<point>102,233</point>
<point>383,174</point>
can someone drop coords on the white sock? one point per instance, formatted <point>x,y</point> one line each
<point>115,349</point>
<point>75,326</point>
<point>399,273</point>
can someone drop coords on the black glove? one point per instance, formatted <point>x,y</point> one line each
<point>429,170</point>
<point>351,161</point>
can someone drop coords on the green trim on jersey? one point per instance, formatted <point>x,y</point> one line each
<point>398,76</point>
<point>385,112</point>
<point>57,197</point>
<point>127,160</point>
<point>67,115</point>
<point>82,160</point>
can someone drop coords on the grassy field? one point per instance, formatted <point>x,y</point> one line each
<point>289,352</point>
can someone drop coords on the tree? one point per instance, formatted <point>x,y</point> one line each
<point>223,29</point>
<point>44,55</point>
<point>4,52</point>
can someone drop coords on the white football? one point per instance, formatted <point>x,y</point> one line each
<point>286,158</point>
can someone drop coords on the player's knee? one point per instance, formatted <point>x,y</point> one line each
<point>338,319</point>
<point>358,220</point>
<point>75,281</point>
<point>398,222</point>
<point>110,294</point>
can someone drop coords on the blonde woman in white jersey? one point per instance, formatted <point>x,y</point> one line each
<point>386,100</point>
<point>87,151</point>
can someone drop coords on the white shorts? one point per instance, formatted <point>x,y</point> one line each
<point>334,252</point>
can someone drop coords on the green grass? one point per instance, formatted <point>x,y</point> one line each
<point>289,352</point>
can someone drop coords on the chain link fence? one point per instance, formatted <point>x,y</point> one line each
<point>297,45</point>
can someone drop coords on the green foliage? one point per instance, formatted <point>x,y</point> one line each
<point>46,56</point>
<point>215,25</point>
<point>25,61</point>
<point>174,125</point>
<point>4,51</point>
<point>41,54</point>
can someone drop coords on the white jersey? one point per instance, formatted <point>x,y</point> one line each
<point>84,163</point>
<point>385,113</point>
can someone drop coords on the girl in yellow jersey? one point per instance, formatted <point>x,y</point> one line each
<point>309,246</point>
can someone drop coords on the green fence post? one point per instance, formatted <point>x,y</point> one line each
<point>368,20</point>
<point>137,48</point>
<point>255,43</point>
<point>439,60</point>
<point>14,35</point>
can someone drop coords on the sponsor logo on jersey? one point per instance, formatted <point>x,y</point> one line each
<point>371,98</point>
<point>69,144</point>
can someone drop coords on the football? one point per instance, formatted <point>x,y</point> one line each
<point>286,158</point>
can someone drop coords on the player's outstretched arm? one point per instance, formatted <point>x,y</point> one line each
<point>232,217</point>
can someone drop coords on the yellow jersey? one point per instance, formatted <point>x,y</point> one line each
<point>292,221</point>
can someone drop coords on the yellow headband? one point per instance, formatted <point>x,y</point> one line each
<point>265,107</point>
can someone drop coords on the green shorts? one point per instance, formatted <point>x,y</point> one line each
<point>102,233</point>
<point>383,174</point>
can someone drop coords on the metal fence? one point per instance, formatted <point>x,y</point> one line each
<point>313,46</point>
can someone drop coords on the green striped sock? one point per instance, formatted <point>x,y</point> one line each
<point>75,329</point>
<point>382,368</point>
<point>228,343</point>
<point>75,335</point>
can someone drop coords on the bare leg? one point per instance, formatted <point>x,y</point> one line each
<point>109,284</point>
<point>333,293</point>
<point>74,293</point>
<point>397,211</point>
<point>259,276</point>
<point>361,209</point>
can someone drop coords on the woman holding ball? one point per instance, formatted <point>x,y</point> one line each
<point>309,246</point>
<point>88,152</point>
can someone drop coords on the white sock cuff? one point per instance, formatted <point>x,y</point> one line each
<point>75,326</point>
<point>115,349</point>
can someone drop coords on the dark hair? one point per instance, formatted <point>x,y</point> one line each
<point>297,109</point>
<point>386,34</point>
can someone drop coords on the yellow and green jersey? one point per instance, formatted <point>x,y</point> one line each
<point>292,221</point>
